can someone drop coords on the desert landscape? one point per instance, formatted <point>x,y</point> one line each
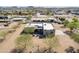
<point>39,30</point>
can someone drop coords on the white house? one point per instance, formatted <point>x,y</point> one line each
<point>48,29</point>
<point>18,19</point>
<point>39,17</point>
<point>42,28</point>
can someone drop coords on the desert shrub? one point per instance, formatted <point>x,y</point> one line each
<point>75,37</point>
<point>28,30</point>
<point>2,35</point>
<point>50,36</point>
<point>66,22</point>
<point>23,41</point>
<point>51,43</point>
<point>62,18</point>
<point>70,50</point>
<point>14,27</point>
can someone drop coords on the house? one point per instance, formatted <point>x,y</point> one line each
<point>42,18</point>
<point>39,17</point>
<point>42,28</point>
<point>60,12</point>
<point>18,19</point>
<point>48,29</point>
<point>4,19</point>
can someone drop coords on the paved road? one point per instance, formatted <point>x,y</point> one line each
<point>8,44</point>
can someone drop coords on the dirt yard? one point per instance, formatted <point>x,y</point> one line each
<point>64,40</point>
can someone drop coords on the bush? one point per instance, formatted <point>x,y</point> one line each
<point>14,27</point>
<point>23,41</point>
<point>74,24</point>
<point>70,50</point>
<point>28,30</point>
<point>2,35</point>
<point>75,19</point>
<point>51,43</point>
<point>50,36</point>
<point>29,17</point>
<point>75,37</point>
<point>62,18</point>
<point>66,22</point>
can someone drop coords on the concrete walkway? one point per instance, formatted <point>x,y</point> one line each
<point>9,44</point>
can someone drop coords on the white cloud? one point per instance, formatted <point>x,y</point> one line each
<point>39,3</point>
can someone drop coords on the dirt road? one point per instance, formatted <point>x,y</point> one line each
<point>8,44</point>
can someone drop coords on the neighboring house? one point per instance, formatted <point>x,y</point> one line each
<point>67,17</point>
<point>43,19</point>
<point>4,19</point>
<point>18,19</point>
<point>60,12</point>
<point>39,17</point>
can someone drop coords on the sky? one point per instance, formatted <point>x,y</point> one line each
<point>50,3</point>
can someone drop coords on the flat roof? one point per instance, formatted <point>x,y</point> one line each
<point>18,18</point>
<point>48,26</point>
<point>42,18</point>
<point>33,24</point>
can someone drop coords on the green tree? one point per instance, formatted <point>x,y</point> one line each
<point>73,25</point>
<point>62,19</point>
<point>75,37</point>
<point>75,19</point>
<point>29,17</point>
<point>48,12</point>
<point>66,22</point>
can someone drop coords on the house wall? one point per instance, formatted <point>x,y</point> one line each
<point>48,32</point>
